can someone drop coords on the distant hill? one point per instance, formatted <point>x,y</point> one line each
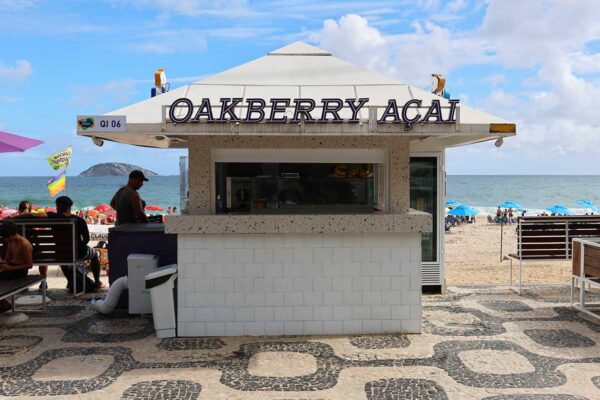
<point>114,169</point>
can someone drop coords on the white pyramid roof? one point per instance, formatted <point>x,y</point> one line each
<point>294,71</point>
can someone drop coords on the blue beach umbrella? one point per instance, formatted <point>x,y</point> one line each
<point>511,204</point>
<point>559,209</point>
<point>463,211</point>
<point>452,203</point>
<point>588,204</point>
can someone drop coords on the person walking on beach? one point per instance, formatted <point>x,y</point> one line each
<point>17,257</point>
<point>127,201</point>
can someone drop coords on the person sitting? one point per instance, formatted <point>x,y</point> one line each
<point>84,252</point>
<point>24,211</point>
<point>498,215</point>
<point>17,258</point>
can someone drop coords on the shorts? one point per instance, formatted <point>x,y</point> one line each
<point>90,254</point>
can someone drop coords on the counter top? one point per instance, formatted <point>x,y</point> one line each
<point>409,222</point>
<point>152,227</point>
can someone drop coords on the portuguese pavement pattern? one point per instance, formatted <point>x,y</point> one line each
<point>477,343</point>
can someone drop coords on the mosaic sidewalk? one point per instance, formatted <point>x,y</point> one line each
<point>476,344</point>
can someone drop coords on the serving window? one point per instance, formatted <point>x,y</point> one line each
<point>296,188</point>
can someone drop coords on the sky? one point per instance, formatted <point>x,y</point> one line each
<point>534,62</point>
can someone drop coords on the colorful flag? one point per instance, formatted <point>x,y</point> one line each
<point>57,184</point>
<point>61,159</point>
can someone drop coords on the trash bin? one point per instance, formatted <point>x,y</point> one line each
<point>161,284</point>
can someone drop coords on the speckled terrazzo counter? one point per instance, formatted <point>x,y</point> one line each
<point>411,222</point>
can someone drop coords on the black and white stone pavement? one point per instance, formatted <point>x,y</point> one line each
<point>476,344</point>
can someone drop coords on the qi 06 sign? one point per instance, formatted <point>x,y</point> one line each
<point>101,123</point>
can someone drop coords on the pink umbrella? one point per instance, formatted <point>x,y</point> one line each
<point>10,143</point>
<point>103,208</point>
<point>154,208</point>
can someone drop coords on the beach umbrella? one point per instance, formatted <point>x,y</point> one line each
<point>511,204</point>
<point>8,211</point>
<point>559,209</point>
<point>103,208</point>
<point>588,204</point>
<point>93,213</point>
<point>463,211</point>
<point>51,209</point>
<point>452,203</point>
<point>10,143</point>
<point>154,208</point>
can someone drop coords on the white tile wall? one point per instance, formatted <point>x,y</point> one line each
<point>233,285</point>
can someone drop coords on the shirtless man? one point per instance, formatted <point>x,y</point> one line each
<point>127,201</point>
<point>17,258</point>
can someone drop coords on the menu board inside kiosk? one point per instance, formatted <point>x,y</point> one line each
<point>295,188</point>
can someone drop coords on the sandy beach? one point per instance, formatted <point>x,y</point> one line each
<point>473,257</point>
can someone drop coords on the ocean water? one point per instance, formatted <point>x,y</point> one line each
<point>482,192</point>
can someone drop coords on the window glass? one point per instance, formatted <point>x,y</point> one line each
<point>423,197</point>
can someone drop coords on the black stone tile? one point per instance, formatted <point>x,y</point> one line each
<point>558,338</point>
<point>506,305</point>
<point>163,390</point>
<point>404,389</point>
<point>389,341</point>
<point>173,344</point>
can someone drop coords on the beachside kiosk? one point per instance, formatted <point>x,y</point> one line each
<point>313,194</point>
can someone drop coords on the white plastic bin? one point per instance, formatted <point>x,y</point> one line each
<point>161,284</point>
<point>138,266</point>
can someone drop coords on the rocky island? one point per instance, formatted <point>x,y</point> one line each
<point>114,169</point>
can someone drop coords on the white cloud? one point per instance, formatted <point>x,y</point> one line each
<point>193,8</point>
<point>103,97</point>
<point>172,41</point>
<point>496,79</point>
<point>19,72</point>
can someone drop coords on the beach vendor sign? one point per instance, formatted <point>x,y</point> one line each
<point>101,123</point>
<point>306,110</point>
<point>57,184</point>
<point>60,159</point>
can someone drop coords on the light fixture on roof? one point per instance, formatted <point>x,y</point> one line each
<point>161,85</point>
<point>499,142</point>
<point>438,86</point>
<point>97,141</point>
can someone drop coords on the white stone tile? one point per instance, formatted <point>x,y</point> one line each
<point>196,329</point>
<point>253,241</point>
<point>382,254</point>
<point>234,329</point>
<point>193,300</point>
<point>283,284</point>
<point>391,326</point>
<point>303,313</point>
<point>410,268</point>
<point>254,299</point>
<point>294,298</point>
<point>332,269</point>
<point>381,283</point>
<point>283,255</point>
<point>243,256</point>
<point>411,297</point>
<point>390,268</point>
<point>400,283</point>
<point>303,284</point>
<point>264,314</point>
<point>361,283</point>
<point>411,326</point>
<point>274,241</point>
<point>342,254</point>
<point>342,313</point>
<point>254,328</point>
<point>223,314</point>
<point>313,299</point>
<point>273,270</point>
<point>214,299</point>
<point>253,270</point>
<point>332,327</point>
<point>194,270</point>
<point>186,285</point>
<point>313,327</point>
<point>333,298</point>
<point>371,326</point>
<point>204,314</point>
<point>415,282</point>
<point>283,313</point>
<point>323,313</point>
<point>274,299</point>
<point>243,314</point>
<point>215,328</point>
<point>223,256</point>
<point>370,269</point>
<point>351,269</point>
<point>204,256</point>
<point>185,256</point>
<point>244,285</point>
<point>232,241</point>
<point>263,256</point>
<point>322,284</point>
<point>312,269</point>
<point>293,328</point>
<point>185,314</point>
<point>352,298</point>
<point>263,285</point>
<point>332,241</point>
<point>312,240</point>
<point>324,254</point>
<point>274,328</point>
<point>234,299</point>
<point>361,312</point>
<point>232,270</point>
<point>351,240</point>
<point>401,312</point>
<point>416,254</point>
<point>352,327</point>
<point>381,312</point>
<point>303,255</point>
<point>400,254</point>
<point>182,329</point>
<point>416,312</point>
<point>292,270</point>
<point>361,254</point>
<point>213,270</point>
<point>371,298</point>
<point>391,298</point>
<point>342,284</point>
<point>204,285</point>
<point>224,285</point>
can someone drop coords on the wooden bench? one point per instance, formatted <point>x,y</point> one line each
<point>15,286</point>
<point>585,270</point>
<point>550,239</point>
<point>54,242</point>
